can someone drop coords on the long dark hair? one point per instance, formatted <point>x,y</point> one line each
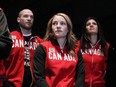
<point>83,41</point>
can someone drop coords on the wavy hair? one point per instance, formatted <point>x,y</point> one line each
<point>71,39</point>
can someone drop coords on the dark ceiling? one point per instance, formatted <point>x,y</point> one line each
<point>78,10</point>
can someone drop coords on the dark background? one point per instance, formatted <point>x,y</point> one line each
<point>78,10</point>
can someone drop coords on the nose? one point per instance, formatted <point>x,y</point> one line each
<point>91,25</point>
<point>58,25</point>
<point>29,18</point>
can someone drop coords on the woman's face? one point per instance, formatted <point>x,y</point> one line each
<point>91,27</point>
<point>59,27</point>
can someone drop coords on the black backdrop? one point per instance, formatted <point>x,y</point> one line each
<point>78,10</point>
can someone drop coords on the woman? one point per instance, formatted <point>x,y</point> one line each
<point>57,61</point>
<point>95,51</point>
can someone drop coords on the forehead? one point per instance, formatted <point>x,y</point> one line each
<point>91,20</point>
<point>25,12</point>
<point>58,18</point>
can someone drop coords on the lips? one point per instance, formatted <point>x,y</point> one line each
<point>58,31</point>
<point>91,28</point>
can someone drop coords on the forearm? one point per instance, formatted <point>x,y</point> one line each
<point>39,67</point>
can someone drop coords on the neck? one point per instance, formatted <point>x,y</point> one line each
<point>62,42</point>
<point>25,31</point>
<point>93,39</point>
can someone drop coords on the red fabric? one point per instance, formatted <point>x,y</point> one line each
<point>95,65</point>
<point>56,63</point>
<point>1,83</point>
<point>95,85</point>
<point>15,61</point>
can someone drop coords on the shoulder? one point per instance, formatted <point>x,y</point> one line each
<point>14,32</point>
<point>45,43</point>
<point>39,39</point>
<point>78,44</point>
<point>2,13</point>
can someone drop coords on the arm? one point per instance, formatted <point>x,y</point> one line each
<point>5,38</point>
<point>39,67</point>
<point>80,71</point>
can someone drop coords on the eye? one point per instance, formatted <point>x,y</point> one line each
<point>28,16</point>
<point>54,23</point>
<point>87,24</point>
<point>94,23</point>
<point>25,16</point>
<point>63,23</point>
<point>32,17</point>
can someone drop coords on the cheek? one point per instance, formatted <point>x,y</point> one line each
<point>87,29</point>
<point>65,32</point>
<point>97,29</point>
<point>53,31</point>
<point>66,29</point>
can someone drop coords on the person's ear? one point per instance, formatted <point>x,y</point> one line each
<point>18,19</point>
